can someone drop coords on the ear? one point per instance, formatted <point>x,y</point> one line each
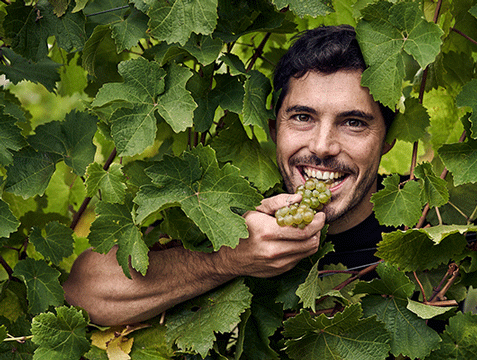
<point>272,127</point>
<point>387,147</point>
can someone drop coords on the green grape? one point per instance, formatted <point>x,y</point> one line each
<point>314,194</point>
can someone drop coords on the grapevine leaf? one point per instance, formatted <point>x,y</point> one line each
<point>44,72</point>
<point>414,250</point>
<point>43,288</point>
<point>190,326</point>
<point>385,33</point>
<point>115,226</point>
<point>392,282</point>
<point>426,311</point>
<point>13,350</point>
<point>458,339</point>
<point>175,21</point>
<point>205,192</point>
<point>434,189</point>
<point>10,137</point>
<point>410,335</point>
<point>129,30</point>
<point>257,88</point>
<point>29,27</point>
<point>151,344</point>
<point>234,63</point>
<point>57,243</point>
<point>303,8</point>
<point>60,336</point>
<point>468,97</point>
<point>204,48</point>
<point>111,182</point>
<point>410,126</point>
<point>176,105</point>
<point>461,160</point>
<point>344,336</point>
<point>73,139</point>
<point>8,222</point>
<point>143,82</point>
<point>30,172</point>
<point>314,287</point>
<point>178,226</point>
<point>395,205</point>
<point>3,333</point>
<point>233,144</point>
<point>438,233</point>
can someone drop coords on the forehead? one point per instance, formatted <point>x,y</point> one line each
<point>339,91</point>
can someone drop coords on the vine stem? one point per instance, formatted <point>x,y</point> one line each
<point>20,339</point>
<point>258,52</point>
<point>7,267</point>
<point>87,200</point>
<point>464,35</point>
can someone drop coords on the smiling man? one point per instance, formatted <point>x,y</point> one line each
<point>328,127</point>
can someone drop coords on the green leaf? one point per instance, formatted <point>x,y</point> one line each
<point>410,335</point>
<point>60,336</point>
<point>303,8</point>
<point>385,33</point>
<point>257,89</point>
<point>468,97</point>
<point>129,30</point>
<point>56,244</point>
<point>176,105</point>
<point>44,71</point>
<point>115,226</point>
<point>205,192</point>
<point>29,27</point>
<point>175,21</point>
<point>30,172</point>
<point>204,48</point>
<point>414,250</point>
<point>73,140</point>
<point>150,344</point>
<point>426,311</point>
<point>434,189</point>
<point>111,183</point>
<point>459,339</point>
<point>3,333</point>
<point>410,126</point>
<point>233,144</point>
<point>43,288</point>
<point>461,160</point>
<point>396,205</point>
<point>392,282</point>
<point>189,326</point>
<point>8,222</point>
<point>344,336</point>
<point>314,287</point>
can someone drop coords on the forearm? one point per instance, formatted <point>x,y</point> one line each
<point>98,284</point>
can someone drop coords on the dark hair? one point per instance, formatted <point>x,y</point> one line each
<point>326,49</point>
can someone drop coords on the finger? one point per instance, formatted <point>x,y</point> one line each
<point>271,205</point>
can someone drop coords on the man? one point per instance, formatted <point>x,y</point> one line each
<point>328,127</point>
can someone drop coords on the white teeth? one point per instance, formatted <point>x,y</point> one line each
<point>322,175</point>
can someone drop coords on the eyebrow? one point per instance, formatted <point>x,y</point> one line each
<point>350,113</point>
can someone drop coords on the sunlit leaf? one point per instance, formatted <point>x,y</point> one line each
<point>57,242</point>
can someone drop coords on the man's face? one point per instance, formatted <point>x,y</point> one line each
<point>329,127</point>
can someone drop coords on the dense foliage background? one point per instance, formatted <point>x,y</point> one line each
<point>117,118</point>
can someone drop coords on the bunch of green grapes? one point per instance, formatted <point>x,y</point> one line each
<point>314,194</point>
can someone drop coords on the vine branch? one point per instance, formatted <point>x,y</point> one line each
<point>77,216</point>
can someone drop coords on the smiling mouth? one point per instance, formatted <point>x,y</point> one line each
<point>330,178</point>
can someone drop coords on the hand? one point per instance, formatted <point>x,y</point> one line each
<point>270,249</point>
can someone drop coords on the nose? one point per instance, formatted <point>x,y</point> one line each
<point>324,141</point>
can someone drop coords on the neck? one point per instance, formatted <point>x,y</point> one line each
<point>356,215</point>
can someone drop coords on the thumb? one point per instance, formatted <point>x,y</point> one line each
<point>271,205</point>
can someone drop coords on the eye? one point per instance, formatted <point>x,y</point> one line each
<point>302,117</point>
<point>355,123</point>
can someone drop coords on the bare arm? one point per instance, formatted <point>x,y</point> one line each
<point>98,284</point>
